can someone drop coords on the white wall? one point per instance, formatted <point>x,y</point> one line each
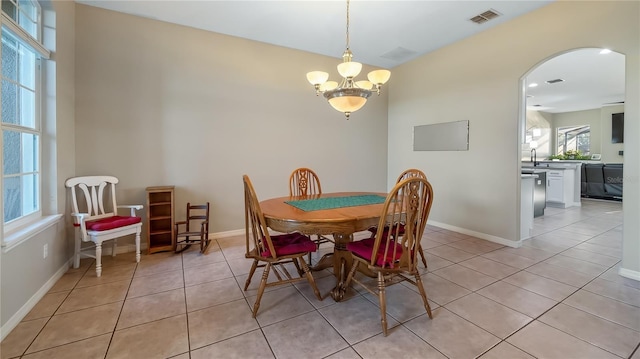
<point>540,121</point>
<point>162,104</point>
<point>478,79</point>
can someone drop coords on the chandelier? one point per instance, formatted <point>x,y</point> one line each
<point>350,95</point>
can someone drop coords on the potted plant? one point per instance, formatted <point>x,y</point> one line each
<point>569,155</point>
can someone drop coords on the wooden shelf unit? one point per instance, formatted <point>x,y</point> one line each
<point>160,219</point>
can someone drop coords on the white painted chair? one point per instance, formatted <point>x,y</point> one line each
<point>97,223</point>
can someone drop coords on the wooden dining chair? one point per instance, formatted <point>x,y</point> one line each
<point>194,229</point>
<point>96,219</point>
<point>392,254</point>
<point>410,173</point>
<point>305,182</point>
<point>273,252</point>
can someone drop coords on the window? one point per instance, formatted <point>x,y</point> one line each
<point>25,13</point>
<point>20,108</point>
<point>574,138</point>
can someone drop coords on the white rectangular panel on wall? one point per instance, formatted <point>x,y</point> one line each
<point>448,136</point>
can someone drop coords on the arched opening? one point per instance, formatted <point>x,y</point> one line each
<point>567,141</point>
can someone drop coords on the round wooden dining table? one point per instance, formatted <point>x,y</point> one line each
<point>341,222</point>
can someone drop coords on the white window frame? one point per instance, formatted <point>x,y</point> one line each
<point>22,228</point>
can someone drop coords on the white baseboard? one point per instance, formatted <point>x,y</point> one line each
<point>233,233</point>
<point>488,237</point>
<point>628,273</point>
<point>26,308</point>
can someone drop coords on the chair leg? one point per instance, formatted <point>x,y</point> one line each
<point>114,248</point>
<point>251,271</point>
<point>204,244</point>
<point>423,294</point>
<point>344,286</point>
<point>263,285</point>
<point>297,264</point>
<point>138,246</point>
<point>383,303</point>
<point>98,259</point>
<point>424,259</point>
<point>312,281</point>
<point>76,255</point>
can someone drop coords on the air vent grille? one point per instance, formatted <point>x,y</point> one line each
<point>485,16</point>
<point>555,81</point>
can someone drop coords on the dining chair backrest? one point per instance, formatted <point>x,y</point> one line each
<point>405,211</point>
<point>93,195</point>
<point>257,235</point>
<point>411,172</point>
<point>304,182</point>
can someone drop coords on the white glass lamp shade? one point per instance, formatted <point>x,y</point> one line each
<point>317,77</point>
<point>364,84</point>
<point>379,77</point>
<point>347,103</point>
<point>328,86</point>
<point>349,69</point>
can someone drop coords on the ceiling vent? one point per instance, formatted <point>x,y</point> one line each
<point>554,81</point>
<point>485,16</point>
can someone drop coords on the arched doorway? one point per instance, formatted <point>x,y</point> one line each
<point>567,102</point>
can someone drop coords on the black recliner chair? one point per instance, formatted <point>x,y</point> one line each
<point>595,180</point>
<point>613,179</point>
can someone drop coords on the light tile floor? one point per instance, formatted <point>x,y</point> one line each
<point>558,296</point>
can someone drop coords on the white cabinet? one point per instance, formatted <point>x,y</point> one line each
<point>555,186</point>
<point>561,187</point>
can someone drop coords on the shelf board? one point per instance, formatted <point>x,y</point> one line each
<point>153,233</point>
<point>159,218</point>
<point>160,203</point>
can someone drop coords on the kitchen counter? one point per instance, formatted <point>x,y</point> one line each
<point>562,181</point>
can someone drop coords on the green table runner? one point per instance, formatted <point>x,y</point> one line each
<point>336,202</point>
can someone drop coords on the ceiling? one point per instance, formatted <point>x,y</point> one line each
<point>383,33</point>
<point>591,80</point>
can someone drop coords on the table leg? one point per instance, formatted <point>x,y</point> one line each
<point>342,262</point>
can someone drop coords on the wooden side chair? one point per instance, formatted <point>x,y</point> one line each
<point>194,229</point>
<point>273,252</point>
<point>305,182</point>
<point>392,254</point>
<point>95,217</point>
<point>410,173</point>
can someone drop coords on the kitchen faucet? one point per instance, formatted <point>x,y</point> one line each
<point>534,156</point>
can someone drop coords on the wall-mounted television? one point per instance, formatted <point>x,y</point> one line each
<point>617,128</point>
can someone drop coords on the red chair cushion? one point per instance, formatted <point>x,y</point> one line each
<point>290,243</point>
<point>364,249</point>
<point>106,224</point>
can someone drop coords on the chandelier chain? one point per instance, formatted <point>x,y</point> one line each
<point>347,24</point>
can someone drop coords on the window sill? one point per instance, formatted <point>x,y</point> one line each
<point>14,238</point>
